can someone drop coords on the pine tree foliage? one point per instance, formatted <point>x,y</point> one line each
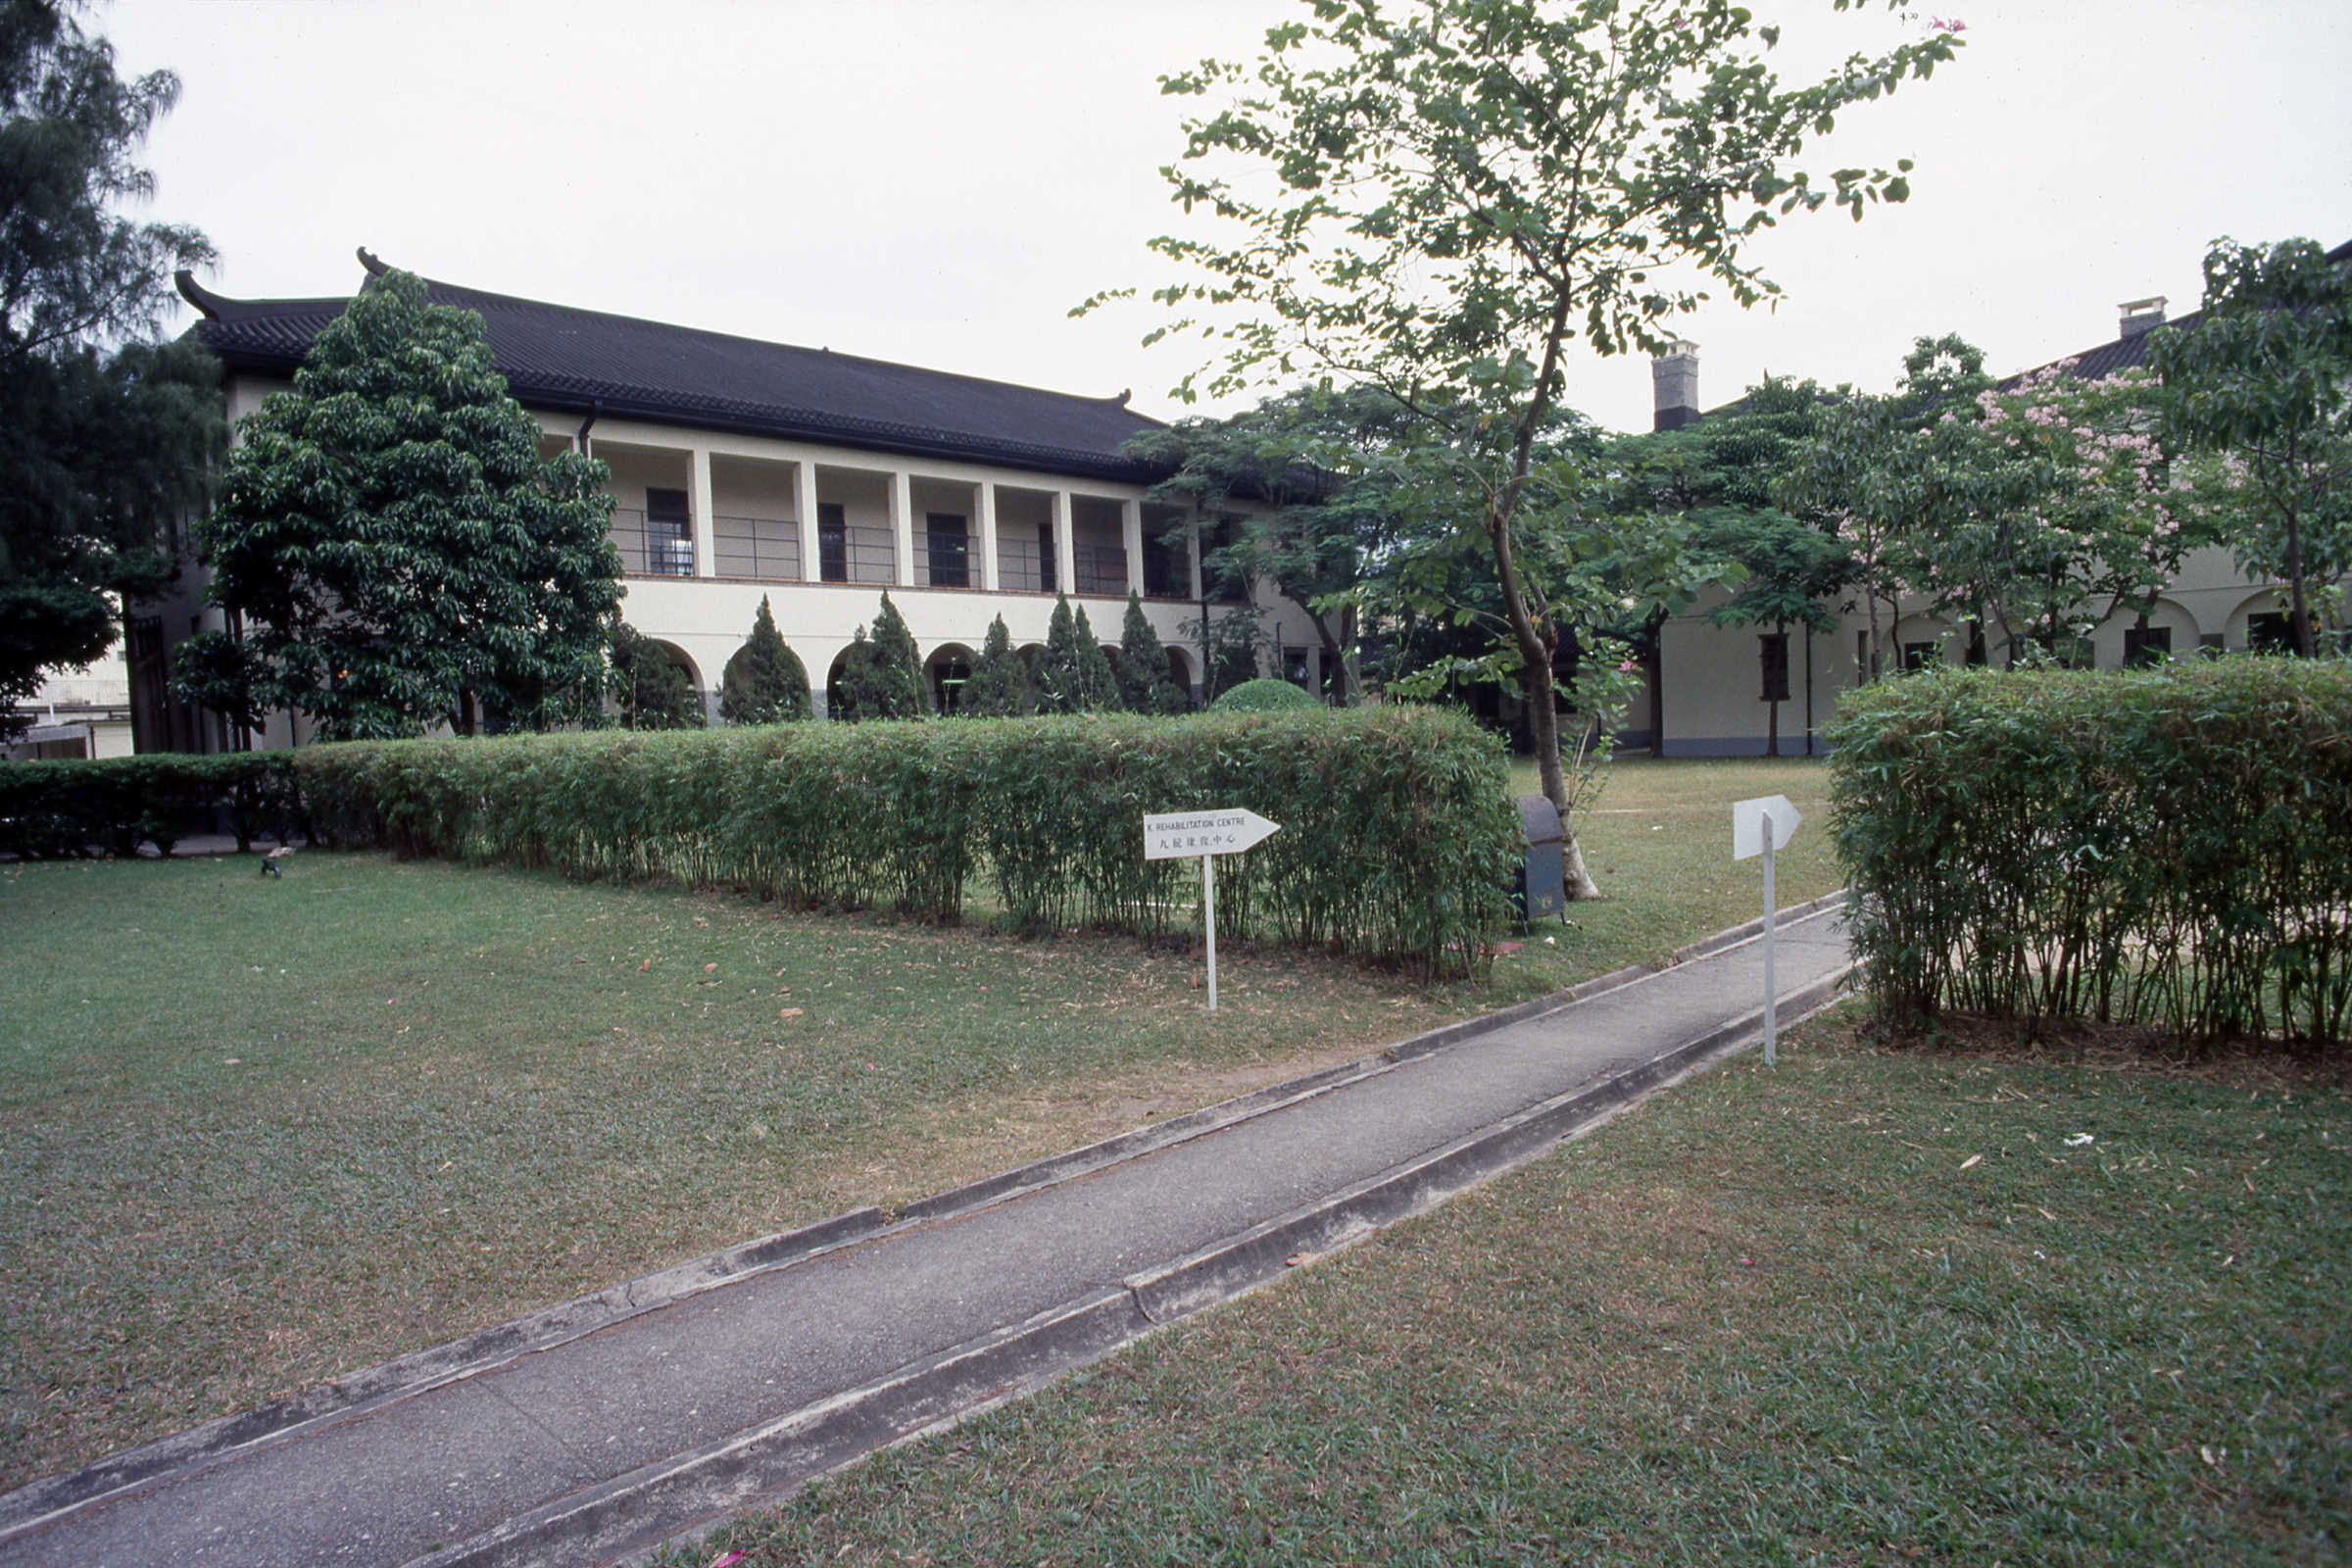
<point>395,549</point>
<point>1145,684</point>
<point>766,682</point>
<point>878,677</point>
<point>1098,682</point>
<point>999,686</point>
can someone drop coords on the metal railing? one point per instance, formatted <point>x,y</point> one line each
<point>1023,567</point>
<point>766,549</point>
<point>656,547</point>
<point>867,554</point>
<point>1100,570</point>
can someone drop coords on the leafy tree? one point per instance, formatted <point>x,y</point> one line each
<point>1437,200</point>
<point>1312,460</point>
<point>103,442</point>
<point>766,682</point>
<point>653,689</point>
<point>881,677</point>
<point>1228,645</point>
<point>2265,378</point>
<point>1145,686</point>
<point>1073,677</point>
<point>1720,474</point>
<point>396,550</point>
<point>999,685</point>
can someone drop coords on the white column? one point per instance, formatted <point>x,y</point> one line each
<point>987,507</point>
<point>1131,535</point>
<point>804,508</point>
<point>1066,554</point>
<point>902,525</point>
<point>706,562</point>
<point>1192,540</point>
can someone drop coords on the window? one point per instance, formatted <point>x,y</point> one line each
<point>1293,666</point>
<point>2272,632</point>
<point>950,550</point>
<point>2143,647</point>
<point>1045,558</point>
<point>1772,651</point>
<point>669,534</point>
<point>1167,565</point>
<point>1922,656</point>
<point>832,542</point>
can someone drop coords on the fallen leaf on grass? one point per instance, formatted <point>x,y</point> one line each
<point>726,1559</point>
<point>1297,1259</point>
<point>647,964</point>
<point>788,1012</point>
<point>710,969</point>
<point>1971,1161</point>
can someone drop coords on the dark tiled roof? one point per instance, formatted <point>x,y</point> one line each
<point>557,357</point>
<point>2129,353</point>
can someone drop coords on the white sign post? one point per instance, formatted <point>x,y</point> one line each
<point>1759,827</point>
<point>1175,835</point>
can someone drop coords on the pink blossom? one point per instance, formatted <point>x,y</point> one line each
<point>1627,667</point>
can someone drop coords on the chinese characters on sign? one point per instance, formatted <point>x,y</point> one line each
<point>1173,835</point>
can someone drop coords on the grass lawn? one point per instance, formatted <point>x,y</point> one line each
<point>1866,1307</point>
<point>257,1132</point>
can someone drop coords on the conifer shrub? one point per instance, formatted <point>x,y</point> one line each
<point>999,686</point>
<point>1397,829</point>
<point>1145,685</point>
<point>881,676</point>
<point>766,682</point>
<point>2171,847</point>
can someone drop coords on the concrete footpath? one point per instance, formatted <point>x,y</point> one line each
<point>599,1428</point>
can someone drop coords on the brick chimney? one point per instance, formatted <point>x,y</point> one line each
<point>2141,315</point>
<point>1674,376</point>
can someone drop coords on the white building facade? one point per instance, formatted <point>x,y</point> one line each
<point>743,469</point>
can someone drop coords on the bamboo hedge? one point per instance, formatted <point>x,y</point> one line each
<point>113,805</point>
<point>1398,834</point>
<point>2170,848</point>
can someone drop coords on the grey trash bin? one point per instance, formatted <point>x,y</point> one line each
<point>1543,887</point>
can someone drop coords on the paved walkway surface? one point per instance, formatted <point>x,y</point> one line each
<point>598,1429</point>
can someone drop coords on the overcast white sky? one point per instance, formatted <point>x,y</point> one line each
<point>938,181</point>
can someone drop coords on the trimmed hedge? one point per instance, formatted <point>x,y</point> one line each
<point>1397,828</point>
<point>2170,848</point>
<point>1263,695</point>
<point>113,805</point>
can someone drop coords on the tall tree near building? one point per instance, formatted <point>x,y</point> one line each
<point>393,547</point>
<point>766,682</point>
<point>999,687</point>
<point>104,441</point>
<point>1145,686</point>
<point>879,677</point>
<point>1439,199</point>
<point>2265,378</point>
<point>1314,462</point>
<point>1073,677</point>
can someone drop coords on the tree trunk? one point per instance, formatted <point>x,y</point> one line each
<point>1543,721</point>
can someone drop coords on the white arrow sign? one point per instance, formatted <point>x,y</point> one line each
<point>1750,821</point>
<point>1174,835</point>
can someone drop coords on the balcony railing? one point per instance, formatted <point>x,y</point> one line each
<point>1099,568</point>
<point>1023,565</point>
<point>655,547</point>
<point>766,549</point>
